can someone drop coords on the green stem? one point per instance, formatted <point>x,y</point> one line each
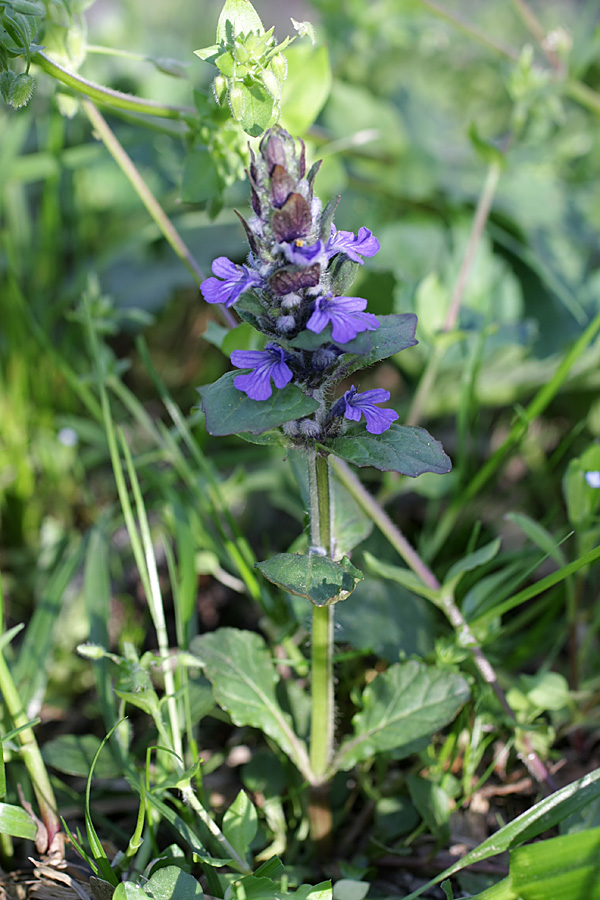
<point>322,700</point>
<point>30,753</point>
<point>108,96</point>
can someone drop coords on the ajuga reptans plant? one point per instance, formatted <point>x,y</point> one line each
<point>293,288</point>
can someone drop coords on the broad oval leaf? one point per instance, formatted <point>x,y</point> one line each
<point>402,707</point>
<point>243,676</point>
<point>317,578</point>
<point>402,448</point>
<point>229,411</point>
<point>172,883</point>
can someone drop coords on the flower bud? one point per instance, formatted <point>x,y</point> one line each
<point>285,324</point>
<point>237,102</point>
<point>309,428</point>
<point>220,89</point>
<point>279,66</point>
<point>291,428</point>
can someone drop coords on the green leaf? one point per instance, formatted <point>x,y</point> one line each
<point>16,822</point>
<point>432,803</point>
<point>563,868</point>
<point>229,411</point>
<point>74,755</point>
<point>306,88</point>
<point>258,110</point>
<point>405,577</point>
<point>126,890</point>
<point>28,8</point>
<point>317,578</point>
<point>386,619</point>
<point>240,824</point>
<point>237,17</point>
<point>402,448</point>
<point>402,708</point>
<point>538,535</point>
<point>395,333</point>
<point>172,883</point>
<point>208,53</point>
<point>474,560</point>
<point>243,676</point>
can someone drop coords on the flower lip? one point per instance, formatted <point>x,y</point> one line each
<point>230,283</point>
<point>354,246</point>
<point>345,314</point>
<point>266,364</point>
<point>354,405</point>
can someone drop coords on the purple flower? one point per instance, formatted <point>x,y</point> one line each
<point>354,246</point>
<point>346,316</point>
<point>355,405</point>
<point>302,254</point>
<point>265,364</point>
<point>236,280</point>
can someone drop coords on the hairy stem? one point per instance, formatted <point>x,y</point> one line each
<point>322,701</point>
<point>108,96</point>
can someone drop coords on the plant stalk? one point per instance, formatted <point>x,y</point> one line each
<point>30,754</point>
<point>322,700</point>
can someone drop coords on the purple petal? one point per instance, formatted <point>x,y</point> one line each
<point>224,268</point>
<point>249,359</point>
<point>353,246</point>
<point>256,384</point>
<point>377,420</point>
<point>236,280</point>
<point>301,254</point>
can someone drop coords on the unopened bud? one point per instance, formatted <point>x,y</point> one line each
<point>237,102</point>
<point>279,66</point>
<point>309,428</point>
<point>220,88</point>
<point>286,324</point>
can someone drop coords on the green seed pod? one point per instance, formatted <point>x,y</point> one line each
<point>237,102</point>
<point>20,91</point>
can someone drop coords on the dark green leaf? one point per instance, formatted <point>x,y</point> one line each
<point>395,333</point>
<point>317,578</point>
<point>243,676</point>
<point>401,708</point>
<point>402,448</point>
<point>229,411</point>
<point>74,755</point>
<point>172,883</point>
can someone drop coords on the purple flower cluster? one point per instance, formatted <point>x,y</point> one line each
<point>293,286</point>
